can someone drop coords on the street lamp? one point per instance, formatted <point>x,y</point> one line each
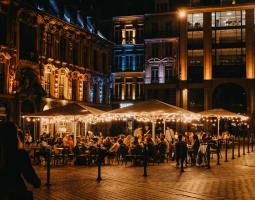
<point>181,13</point>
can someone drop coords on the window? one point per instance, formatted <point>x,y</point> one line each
<point>28,50</point>
<point>47,83</point>
<point>168,73</point>
<point>3,32</point>
<point>129,63</point>
<point>195,21</point>
<point>129,36</point>
<point>63,47</point>
<point>74,90</point>
<point>117,36</point>
<point>139,88</point>
<point>168,26</point>
<point>49,45</point>
<point>228,18</point>
<point>195,57</point>
<point>128,93</point>
<point>85,57</point>
<point>95,60</point>
<point>75,53</point>
<point>85,91</point>
<point>139,62</point>
<point>61,86</point>
<point>118,63</point>
<point>155,50</point>
<point>168,50</point>
<point>139,37</point>
<point>154,75</point>
<point>104,61</point>
<point>2,77</point>
<point>117,88</point>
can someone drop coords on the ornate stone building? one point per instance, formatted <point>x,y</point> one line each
<point>46,61</point>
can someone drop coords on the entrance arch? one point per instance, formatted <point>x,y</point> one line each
<point>230,96</point>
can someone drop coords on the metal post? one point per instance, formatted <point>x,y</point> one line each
<point>218,152</point>
<point>208,155</point>
<point>100,158</point>
<point>243,143</point>
<point>252,140</point>
<point>239,143</point>
<point>248,151</point>
<point>226,150</point>
<point>48,167</point>
<point>145,161</point>
<point>233,147</point>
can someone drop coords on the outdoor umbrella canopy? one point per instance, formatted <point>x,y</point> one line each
<point>150,111</point>
<point>221,113</point>
<point>71,113</point>
<point>72,109</point>
<point>153,109</point>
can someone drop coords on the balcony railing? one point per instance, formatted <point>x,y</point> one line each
<point>160,80</point>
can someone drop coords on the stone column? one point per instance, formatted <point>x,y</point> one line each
<point>207,21</point>
<point>249,35</point>
<point>123,88</point>
<point>183,48</point>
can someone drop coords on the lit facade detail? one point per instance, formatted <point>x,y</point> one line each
<point>62,62</point>
<point>128,69</point>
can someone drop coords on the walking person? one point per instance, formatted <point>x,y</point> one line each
<point>14,164</point>
<point>180,152</point>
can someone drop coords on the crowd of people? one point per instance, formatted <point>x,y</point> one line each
<point>192,147</point>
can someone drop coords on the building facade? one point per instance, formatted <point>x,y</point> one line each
<point>212,54</point>
<point>49,59</point>
<point>128,68</point>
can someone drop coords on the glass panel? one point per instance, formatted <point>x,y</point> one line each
<point>195,21</point>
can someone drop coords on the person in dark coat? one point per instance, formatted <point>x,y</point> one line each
<point>180,151</point>
<point>195,148</point>
<point>14,164</point>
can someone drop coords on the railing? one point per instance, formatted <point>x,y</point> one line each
<point>160,80</point>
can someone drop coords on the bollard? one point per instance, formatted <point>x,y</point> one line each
<point>233,147</point>
<point>226,150</point>
<point>208,155</point>
<point>145,159</point>
<point>48,167</point>
<point>239,143</point>
<point>99,161</point>
<point>218,152</point>
<point>252,140</point>
<point>243,143</point>
<point>248,151</point>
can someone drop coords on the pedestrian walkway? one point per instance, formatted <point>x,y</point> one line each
<point>231,180</point>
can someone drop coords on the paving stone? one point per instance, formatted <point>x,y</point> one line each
<point>231,180</point>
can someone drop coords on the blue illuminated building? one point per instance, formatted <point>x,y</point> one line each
<point>128,69</point>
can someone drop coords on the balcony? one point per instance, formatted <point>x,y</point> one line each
<point>160,80</point>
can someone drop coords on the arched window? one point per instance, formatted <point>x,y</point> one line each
<point>61,86</point>
<point>47,83</point>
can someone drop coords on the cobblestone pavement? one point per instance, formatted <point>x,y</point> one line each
<point>234,179</point>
